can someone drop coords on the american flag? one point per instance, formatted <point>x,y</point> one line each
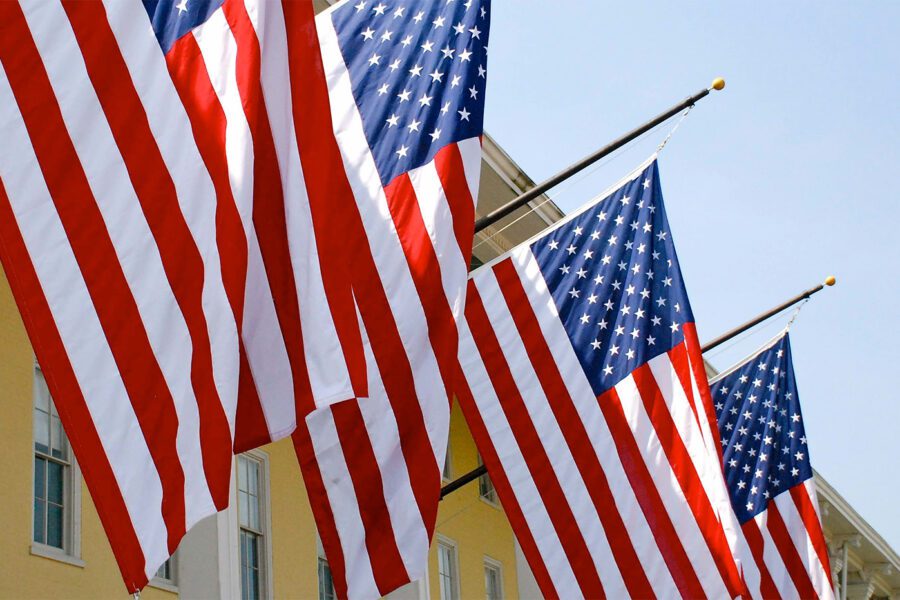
<point>769,474</point>
<point>587,398</point>
<point>407,83</point>
<point>217,219</point>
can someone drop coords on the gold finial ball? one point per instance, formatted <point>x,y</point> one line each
<point>718,83</point>
<point>830,280</point>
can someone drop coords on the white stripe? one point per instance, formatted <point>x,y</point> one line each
<point>196,195</point>
<point>439,222</point>
<point>328,374</point>
<point>265,345</point>
<point>706,463</point>
<point>343,502</point>
<point>802,542</point>
<point>266,351</point>
<point>773,561</point>
<point>513,463</point>
<point>135,247</point>
<point>551,437</point>
<point>387,252</point>
<point>585,402</point>
<point>384,435</point>
<point>826,590</point>
<point>82,336</point>
<point>470,150</point>
<point>219,50</point>
<point>669,489</point>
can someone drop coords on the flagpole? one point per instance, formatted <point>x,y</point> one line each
<point>498,213</point>
<point>729,335</point>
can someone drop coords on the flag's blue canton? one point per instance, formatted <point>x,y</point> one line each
<point>761,425</point>
<point>614,276</point>
<point>172,19</point>
<point>418,70</point>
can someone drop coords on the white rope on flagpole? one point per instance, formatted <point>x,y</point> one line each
<point>581,176</point>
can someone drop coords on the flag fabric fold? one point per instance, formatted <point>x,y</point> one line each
<point>221,216</point>
<point>585,391</point>
<point>769,474</point>
<point>406,86</point>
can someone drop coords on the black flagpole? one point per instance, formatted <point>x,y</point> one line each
<point>829,281</point>
<point>498,213</point>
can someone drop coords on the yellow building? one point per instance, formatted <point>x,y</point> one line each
<point>54,545</point>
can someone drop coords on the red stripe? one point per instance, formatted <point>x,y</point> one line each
<point>648,497</point>
<point>155,190</point>
<point>688,479</point>
<point>695,358</point>
<point>269,218</point>
<point>334,209</point>
<point>362,465</point>
<point>792,561</point>
<point>207,118</point>
<point>250,427</point>
<point>682,367</point>
<point>504,490</point>
<point>449,164</point>
<point>425,269</point>
<point>331,199</point>
<point>755,540</point>
<point>573,430</point>
<point>813,526</point>
<point>539,465</point>
<point>321,507</point>
<point>96,257</point>
<point>76,418</point>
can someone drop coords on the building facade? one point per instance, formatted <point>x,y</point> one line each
<point>265,545</point>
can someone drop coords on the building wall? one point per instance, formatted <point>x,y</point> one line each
<point>26,575</point>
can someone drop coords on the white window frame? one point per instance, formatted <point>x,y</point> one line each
<point>494,564</point>
<point>455,579</point>
<point>170,584</point>
<point>495,501</point>
<point>265,519</point>
<point>70,553</point>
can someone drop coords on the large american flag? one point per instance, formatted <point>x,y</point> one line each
<point>769,474</point>
<point>219,216</point>
<point>406,81</point>
<point>587,397</point>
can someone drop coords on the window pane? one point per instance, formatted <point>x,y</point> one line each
<point>55,483</point>
<point>492,582</point>
<point>40,477</point>
<point>40,508</point>
<point>447,572</point>
<point>446,473</point>
<point>249,566</point>
<point>242,473</point>
<point>326,583</point>
<point>41,431</point>
<point>58,438</point>
<point>54,525</point>
<point>41,393</point>
<point>243,509</point>
<point>253,501</point>
<point>253,477</point>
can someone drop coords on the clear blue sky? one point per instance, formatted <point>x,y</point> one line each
<point>781,179</point>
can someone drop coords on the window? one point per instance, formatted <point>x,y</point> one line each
<point>486,486</point>
<point>493,580</point>
<point>326,583</point>
<point>166,572</point>
<point>252,526</point>
<point>447,473</point>
<point>57,481</point>
<point>448,572</point>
